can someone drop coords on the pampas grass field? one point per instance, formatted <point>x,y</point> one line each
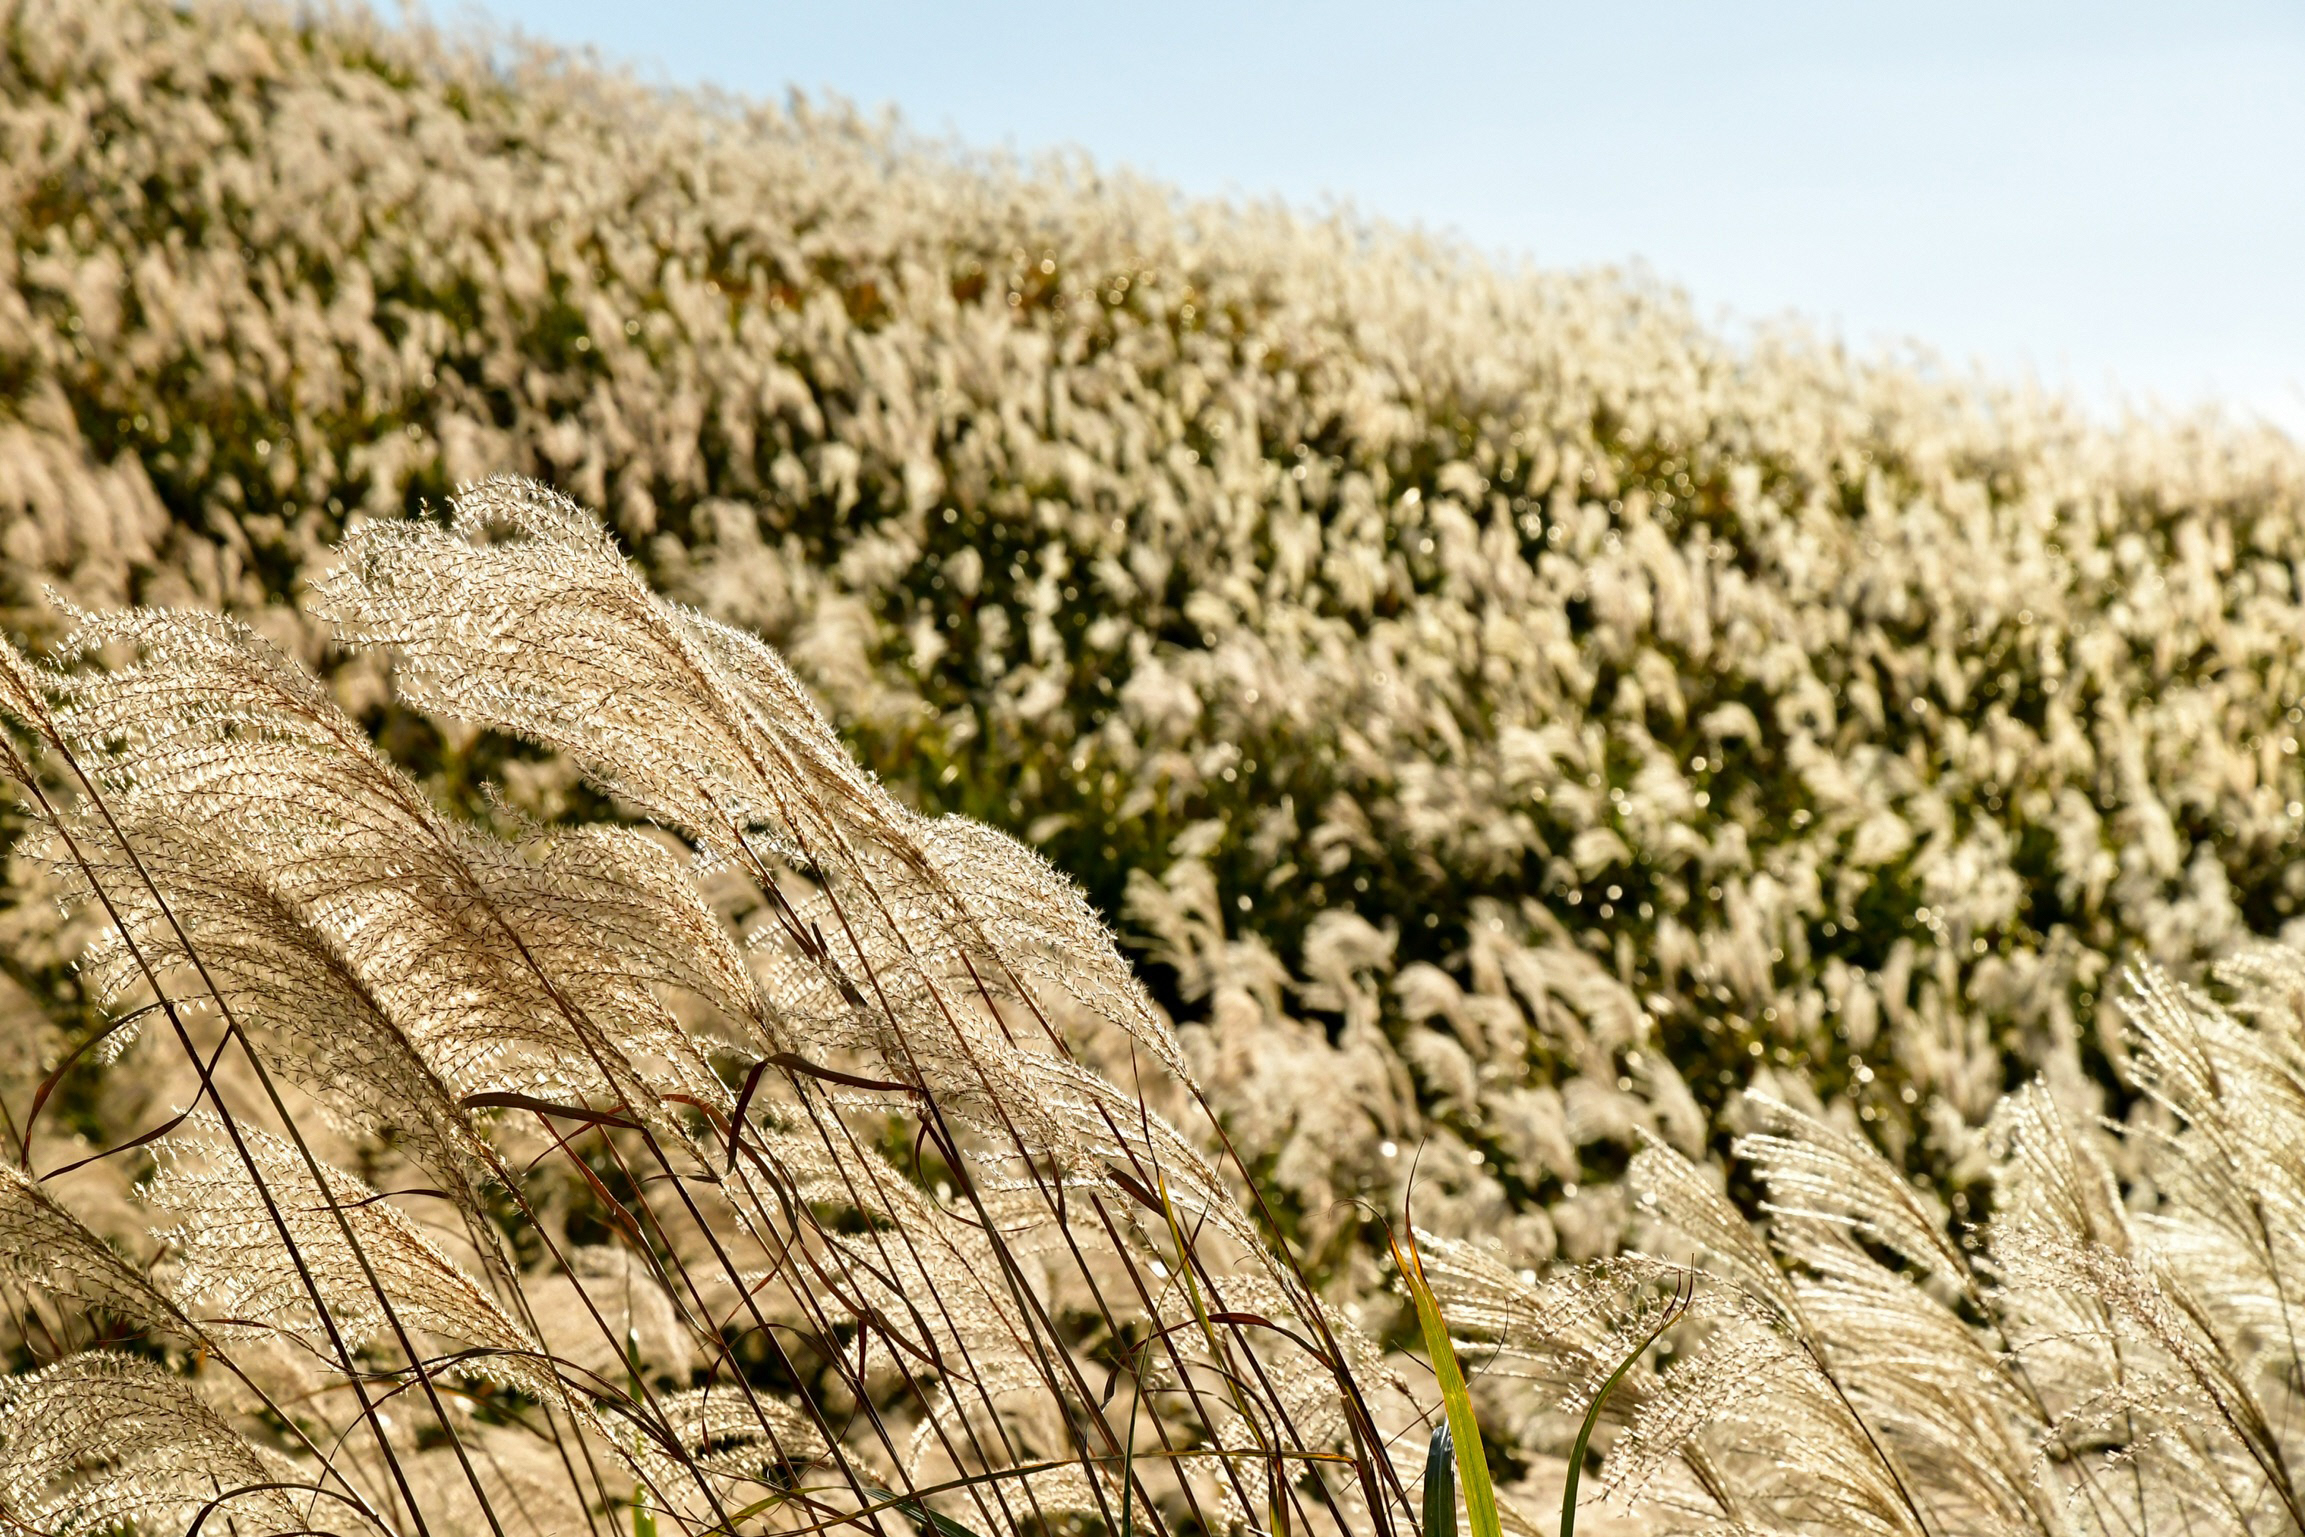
<point>722,821</point>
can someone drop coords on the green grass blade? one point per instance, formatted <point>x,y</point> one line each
<point>1441,1485</point>
<point>1670,1316</point>
<point>1464,1429</point>
<point>643,1519</point>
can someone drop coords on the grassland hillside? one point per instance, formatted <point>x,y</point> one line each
<point>1501,712</point>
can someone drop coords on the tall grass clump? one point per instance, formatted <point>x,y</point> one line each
<point>775,1158</point>
<point>1498,711</point>
<point>2115,1349</point>
<point>781,1160</point>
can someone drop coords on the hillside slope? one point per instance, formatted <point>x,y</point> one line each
<point>1496,708</point>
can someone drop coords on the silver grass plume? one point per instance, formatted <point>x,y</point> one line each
<point>101,1441</point>
<point>233,1267</point>
<point>44,1245</point>
<point>215,729</point>
<point>302,993</point>
<point>521,615</point>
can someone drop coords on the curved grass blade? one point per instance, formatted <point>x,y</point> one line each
<point>1441,1485</point>
<point>1684,1293</point>
<point>1464,1429</point>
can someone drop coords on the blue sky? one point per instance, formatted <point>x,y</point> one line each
<point>2108,197</point>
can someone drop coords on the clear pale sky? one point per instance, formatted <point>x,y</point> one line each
<point>2109,197</point>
